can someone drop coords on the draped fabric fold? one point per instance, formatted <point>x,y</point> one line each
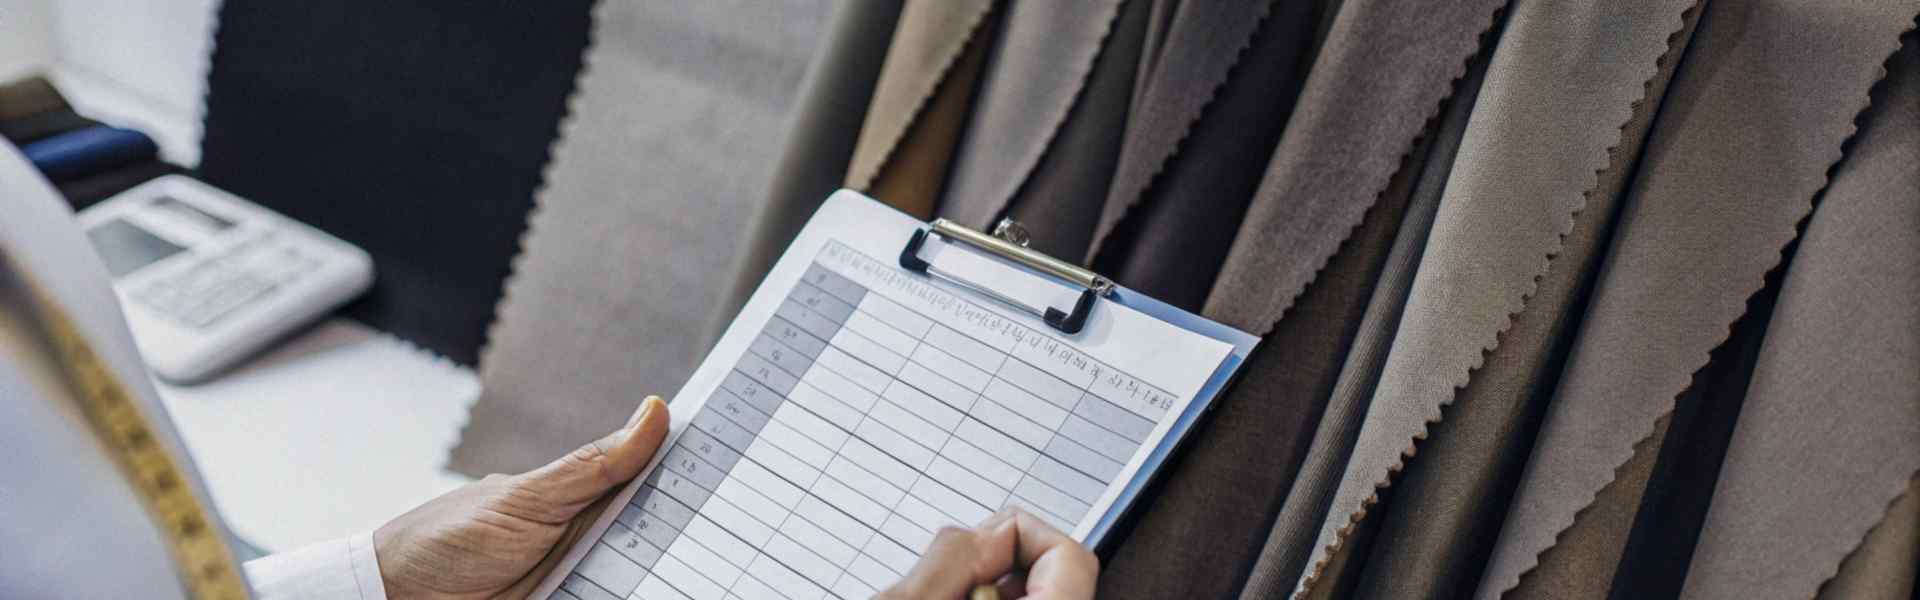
<point>1043,61</point>
<point>1420,179</point>
<point>1172,241</point>
<point>819,143</point>
<point>1536,143</point>
<point>927,44</point>
<point>1059,201</point>
<point>906,147</point>
<point>1591,59</point>
<point>1883,567</point>
<point>1829,435</point>
<point>1206,40</point>
<point>1556,296</point>
<point>1719,190</point>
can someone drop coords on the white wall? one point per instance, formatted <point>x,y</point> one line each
<point>136,63</point>
<point>26,37</point>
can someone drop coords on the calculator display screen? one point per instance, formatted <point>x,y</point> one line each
<point>181,211</point>
<point>126,247</point>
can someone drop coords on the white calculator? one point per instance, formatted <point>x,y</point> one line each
<point>207,278</point>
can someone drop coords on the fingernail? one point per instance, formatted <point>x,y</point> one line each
<point>647,407</point>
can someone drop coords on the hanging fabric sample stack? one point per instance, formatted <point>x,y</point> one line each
<point>1558,298</point>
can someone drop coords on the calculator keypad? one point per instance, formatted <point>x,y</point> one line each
<point>204,293</point>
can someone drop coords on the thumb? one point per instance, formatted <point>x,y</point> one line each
<point>585,474</point>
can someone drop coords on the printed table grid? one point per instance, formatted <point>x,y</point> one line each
<point>853,429</point>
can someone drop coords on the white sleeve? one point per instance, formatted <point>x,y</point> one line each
<point>343,568</point>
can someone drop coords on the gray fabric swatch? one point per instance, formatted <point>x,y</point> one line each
<point>1171,244</point>
<point>1562,82</point>
<point>1447,505</point>
<point>1060,200</point>
<point>1042,61</point>
<point>1580,564</point>
<point>1203,40</point>
<point>629,244</point>
<point>1363,105</point>
<point>1755,116</point>
<point>1829,435</point>
<point>1421,180</point>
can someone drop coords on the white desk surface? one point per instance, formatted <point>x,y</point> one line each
<point>331,433</point>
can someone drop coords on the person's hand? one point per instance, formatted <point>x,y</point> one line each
<point>1013,550</point>
<point>500,536</point>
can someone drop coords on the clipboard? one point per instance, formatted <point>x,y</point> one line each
<point>1008,242</point>
<point>890,377</point>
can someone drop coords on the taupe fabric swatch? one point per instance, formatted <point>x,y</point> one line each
<point>1829,435</point>
<point>1171,244</point>
<point>818,146</point>
<point>1193,536</point>
<point>621,267</point>
<point>1042,61</point>
<point>1754,117</point>
<point>1363,104</point>
<point>915,173</point>
<point>1582,564</point>
<point>927,43</point>
<point>1535,144</point>
<point>1421,179</point>
<point>1447,506</point>
<point>1060,200</point>
<point>1885,565</point>
<point>1203,40</point>
<point>1333,163</point>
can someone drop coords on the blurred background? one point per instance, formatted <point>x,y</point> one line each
<point>427,138</point>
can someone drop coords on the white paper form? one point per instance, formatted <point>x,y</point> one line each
<point>854,408</point>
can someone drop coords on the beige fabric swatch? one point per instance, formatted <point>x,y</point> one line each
<point>927,44</point>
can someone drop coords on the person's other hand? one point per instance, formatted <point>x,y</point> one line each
<point>1013,550</point>
<point>500,536</point>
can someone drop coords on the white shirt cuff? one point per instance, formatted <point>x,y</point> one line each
<point>342,568</point>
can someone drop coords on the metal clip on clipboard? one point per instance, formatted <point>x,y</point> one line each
<point>1009,241</point>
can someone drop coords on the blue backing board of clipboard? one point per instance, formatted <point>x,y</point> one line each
<point>1243,344</point>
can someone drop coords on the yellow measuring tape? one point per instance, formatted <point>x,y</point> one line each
<point>199,553</point>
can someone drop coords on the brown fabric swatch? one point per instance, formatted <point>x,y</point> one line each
<point>1060,201</point>
<point>1830,433</point>
<point>916,172</point>
<point>1884,566</point>
<point>1203,43</point>
<point>1533,149</point>
<point>1447,506</point>
<point>819,142</point>
<point>1421,177</point>
<point>1173,241</point>
<point>1756,113</point>
<point>1193,537</point>
<point>927,44</point>
<point>30,96</point>
<point>1041,70</point>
